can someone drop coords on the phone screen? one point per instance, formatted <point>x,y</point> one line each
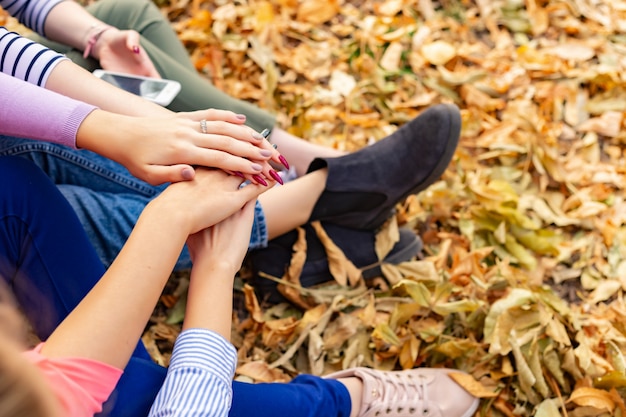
<point>145,88</point>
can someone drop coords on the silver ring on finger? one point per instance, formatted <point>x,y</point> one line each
<point>203,127</point>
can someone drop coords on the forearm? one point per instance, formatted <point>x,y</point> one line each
<point>73,81</point>
<point>210,299</point>
<point>70,24</point>
<point>106,133</point>
<point>106,325</point>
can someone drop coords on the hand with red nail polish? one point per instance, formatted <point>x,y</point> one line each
<point>276,156</point>
<point>276,176</point>
<point>119,51</point>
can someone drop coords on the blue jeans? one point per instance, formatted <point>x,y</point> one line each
<point>105,196</point>
<point>48,263</point>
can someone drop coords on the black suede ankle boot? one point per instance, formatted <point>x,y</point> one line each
<point>363,188</point>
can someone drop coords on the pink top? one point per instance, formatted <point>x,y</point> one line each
<point>81,385</point>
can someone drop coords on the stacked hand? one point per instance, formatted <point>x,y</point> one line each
<point>152,148</point>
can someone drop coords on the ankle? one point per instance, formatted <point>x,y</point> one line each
<point>354,385</point>
<point>289,206</point>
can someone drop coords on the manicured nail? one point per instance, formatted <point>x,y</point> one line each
<point>277,177</point>
<point>239,174</point>
<point>240,116</point>
<point>266,153</point>
<point>256,167</point>
<point>258,179</point>
<point>283,161</point>
<point>136,49</point>
<point>266,133</point>
<point>257,136</point>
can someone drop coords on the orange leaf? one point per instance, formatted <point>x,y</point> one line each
<point>317,12</point>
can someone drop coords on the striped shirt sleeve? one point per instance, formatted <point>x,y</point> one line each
<point>199,378</point>
<point>27,60</point>
<point>30,13</point>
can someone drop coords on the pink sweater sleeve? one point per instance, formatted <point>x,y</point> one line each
<point>81,385</point>
<point>32,112</point>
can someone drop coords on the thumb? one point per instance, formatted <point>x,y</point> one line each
<point>159,174</point>
<point>132,41</point>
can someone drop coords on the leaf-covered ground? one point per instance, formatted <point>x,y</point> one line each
<point>523,280</point>
<point>524,276</point>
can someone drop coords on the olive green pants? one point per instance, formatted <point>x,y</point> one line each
<point>169,57</point>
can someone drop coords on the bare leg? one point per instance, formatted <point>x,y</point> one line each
<point>355,388</point>
<point>289,206</point>
<point>298,151</point>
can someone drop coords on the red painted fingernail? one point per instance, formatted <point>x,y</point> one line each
<point>283,161</point>
<point>260,180</point>
<point>239,174</point>
<point>136,49</point>
<point>277,177</point>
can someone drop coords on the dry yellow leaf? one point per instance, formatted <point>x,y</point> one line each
<point>593,397</point>
<point>438,52</point>
<point>317,12</point>
<point>469,384</point>
<point>264,15</point>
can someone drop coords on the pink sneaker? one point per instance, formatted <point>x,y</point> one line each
<point>411,393</point>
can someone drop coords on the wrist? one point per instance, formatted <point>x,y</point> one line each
<point>174,216</point>
<point>216,266</point>
<point>93,40</point>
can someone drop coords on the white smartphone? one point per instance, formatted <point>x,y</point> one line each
<point>154,89</point>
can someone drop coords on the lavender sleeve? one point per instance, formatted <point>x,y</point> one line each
<point>32,112</point>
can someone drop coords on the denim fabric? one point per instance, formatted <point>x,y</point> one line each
<point>48,263</point>
<point>104,195</point>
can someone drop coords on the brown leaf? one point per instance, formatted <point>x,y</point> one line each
<point>341,268</point>
<point>252,304</point>
<point>277,332</point>
<point>593,397</point>
<point>339,331</point>
<point>260,371</point>
<point>292,275</point>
